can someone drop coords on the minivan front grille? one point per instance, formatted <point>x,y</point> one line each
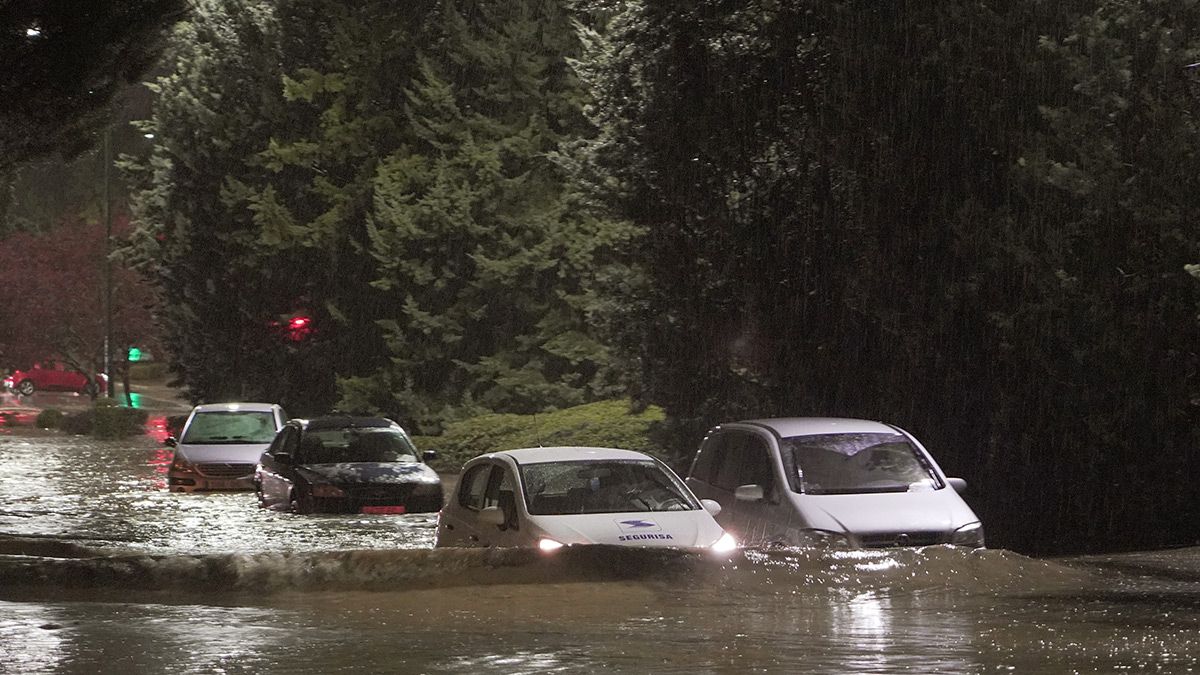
<point>890,539</point>
<point>225,470</point>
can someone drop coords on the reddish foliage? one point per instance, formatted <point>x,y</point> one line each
<point>52,297</point>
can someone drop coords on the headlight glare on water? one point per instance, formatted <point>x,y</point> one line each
<point>725,544</point>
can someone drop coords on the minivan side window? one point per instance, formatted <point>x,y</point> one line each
<point>727,461</point>
<point>744,460</point>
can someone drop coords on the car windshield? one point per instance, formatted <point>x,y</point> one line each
<point>337,446</point>
<point>602,486</point>
<point>856,463</point>
<point>240,426</point>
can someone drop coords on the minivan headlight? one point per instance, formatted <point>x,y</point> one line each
<point>969,535</point>
<point>180,463</point>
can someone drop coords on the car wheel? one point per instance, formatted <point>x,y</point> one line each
<point>302,503</point>
<point>26,388</point>
<point>91,389</point>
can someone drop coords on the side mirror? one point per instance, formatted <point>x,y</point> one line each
<point>492,515</point>
<point>712,506</point>
<point>170,441</point>
<point>749,493</point>
<point>959,485</point>
<point>428,455</point>
<point>283,457</point>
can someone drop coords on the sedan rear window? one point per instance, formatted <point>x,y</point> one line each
<point>604,486</point>
<point>362,444</point>
<point>243,426</point>
<point>856,463</point>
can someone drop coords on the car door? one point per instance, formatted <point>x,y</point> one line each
<point>735,458</point>
<point>487,485</point>
<point>275,473</point>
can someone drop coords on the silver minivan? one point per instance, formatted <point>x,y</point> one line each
<point>803,481</point>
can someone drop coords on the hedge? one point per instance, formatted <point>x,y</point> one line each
<point>609,424</point>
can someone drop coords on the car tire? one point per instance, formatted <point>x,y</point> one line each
<point>91,389</point>
<point>302,504</point>
<point>26,388</point>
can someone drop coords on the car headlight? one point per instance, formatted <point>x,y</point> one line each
<point>327,490</point>
<point>549,544</point>
<point>725,544</point>
<point>968,535</point>
<point>824,539</point>
<point>180,463</point>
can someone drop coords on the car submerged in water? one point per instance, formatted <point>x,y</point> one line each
<point>346,464</point>
<point>829,481</point>
<point>220,445</point>
<point>553,497</point>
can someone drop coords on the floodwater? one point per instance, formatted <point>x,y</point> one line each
<point>103,570</point>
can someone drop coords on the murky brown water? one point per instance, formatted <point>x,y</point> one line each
<point>102,570</point>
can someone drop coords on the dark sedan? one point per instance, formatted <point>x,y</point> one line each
<point>343,464</point>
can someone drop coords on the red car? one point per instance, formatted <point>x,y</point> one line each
<point>53,376</point>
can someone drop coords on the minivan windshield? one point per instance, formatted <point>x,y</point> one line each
<point>856,463</point>
<point>230,427</point>
<point>602,486</point>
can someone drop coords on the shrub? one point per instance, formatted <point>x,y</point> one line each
<point>114,421</point>
<point>603,424</point>
<point>50,418</point>
<point>147,372</point>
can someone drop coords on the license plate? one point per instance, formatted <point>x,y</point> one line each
<point>384,509</point>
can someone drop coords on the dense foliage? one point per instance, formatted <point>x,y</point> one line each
<point>605,424</point>
<point>387,171</point>
<point>53,303</point>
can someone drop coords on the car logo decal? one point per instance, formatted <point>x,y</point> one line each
<point>638,525</point>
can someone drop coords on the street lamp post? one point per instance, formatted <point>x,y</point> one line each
<point>108,290</point>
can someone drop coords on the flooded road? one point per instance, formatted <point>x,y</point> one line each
<point>103,570</point>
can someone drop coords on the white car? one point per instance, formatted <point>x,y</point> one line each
<point>220,446</point>
<point>554,497</point>
<point>842,482</point>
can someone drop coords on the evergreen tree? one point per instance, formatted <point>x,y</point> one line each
<point>490,258</point>
<point>224,291</point>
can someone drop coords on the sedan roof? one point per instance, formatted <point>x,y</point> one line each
<point>808,426</point>
<point>571,454</point>
<point>347,422</point>
<point>235,407</point>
